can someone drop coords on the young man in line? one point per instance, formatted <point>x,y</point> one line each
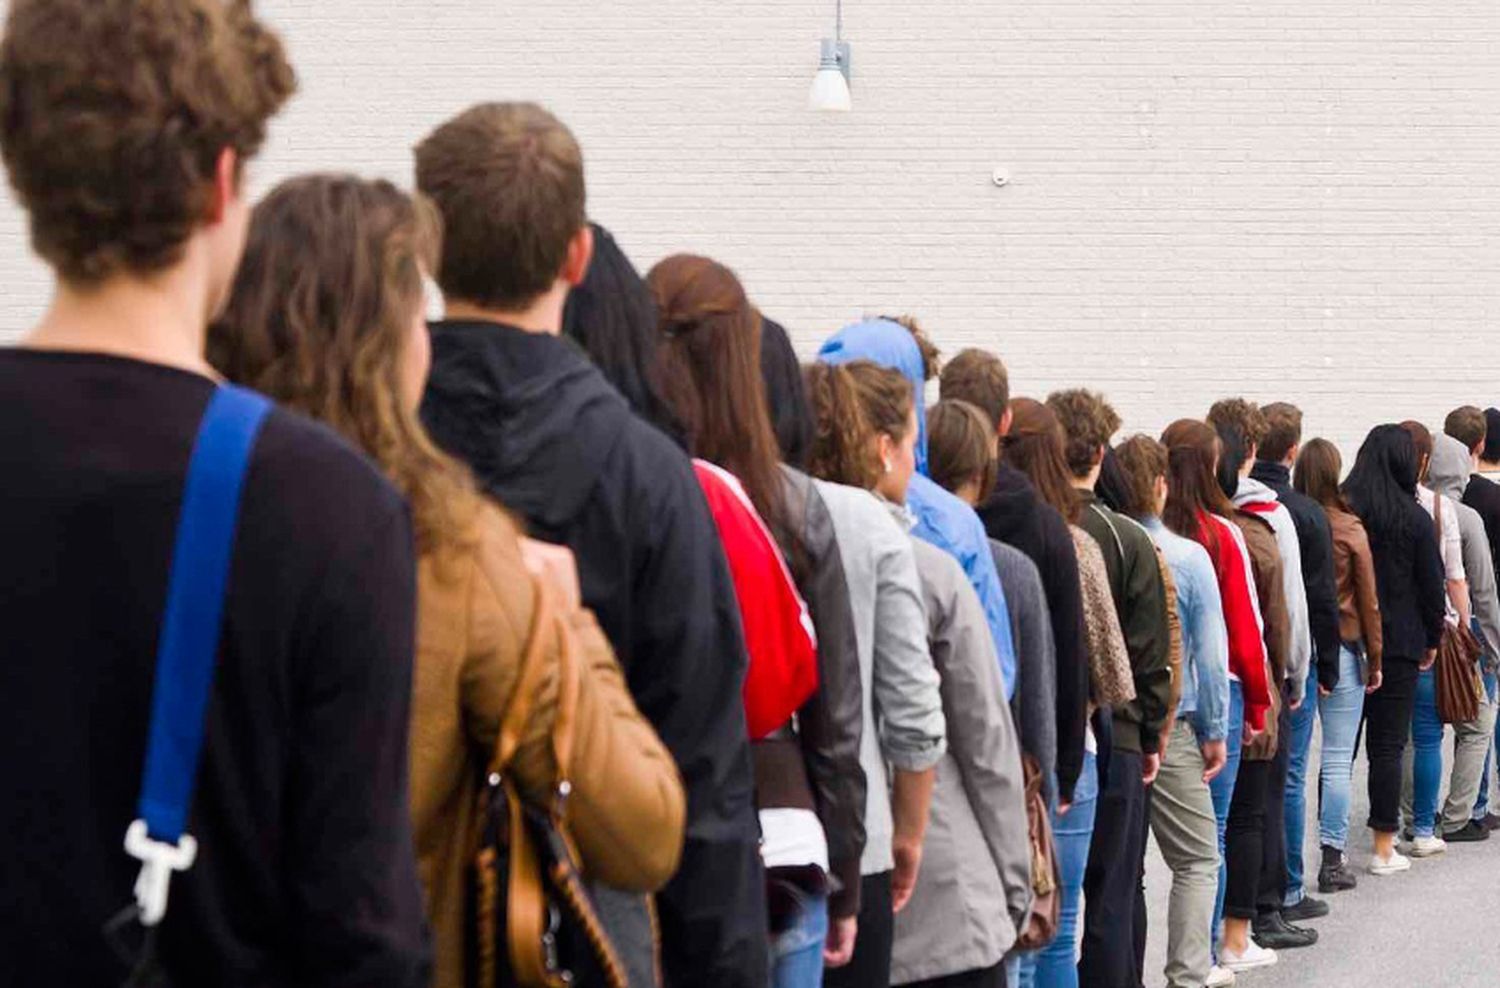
<point>548,437</point>
<point>125,128</point>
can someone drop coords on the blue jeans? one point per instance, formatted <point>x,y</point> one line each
<point>1341,713</point>
<point>1295,812</point>
<point>797,952</point>
<point>1056,965</point>
<point>1222,791</point>
<point>1482,804</point>
<point>1427,757</point>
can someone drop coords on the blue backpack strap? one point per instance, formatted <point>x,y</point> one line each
<point>189,642</point>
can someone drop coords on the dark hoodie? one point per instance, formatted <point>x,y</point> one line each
<point>1017,516</point>
<point>548,437</point>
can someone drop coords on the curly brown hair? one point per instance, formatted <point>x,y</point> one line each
<point>1143,460</point>
<point>113,114</point>
<point>319,319</point>
<point>1087,422</point>
<point>932,357</point>
<point>843,450</point>
<point>1244,417</point>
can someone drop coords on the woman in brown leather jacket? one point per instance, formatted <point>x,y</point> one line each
<point>327,317</point>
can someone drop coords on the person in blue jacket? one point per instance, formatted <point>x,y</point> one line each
<point>942,519</point>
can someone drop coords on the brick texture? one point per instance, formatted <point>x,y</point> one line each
<point>1282,198</point>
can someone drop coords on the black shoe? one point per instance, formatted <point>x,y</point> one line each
<point>1491,821</point>
<point>1308,908</point>
<point>1334,875</point>
<point>1408,835</point>
<point>1467,834</point>
<point>1275,933</point>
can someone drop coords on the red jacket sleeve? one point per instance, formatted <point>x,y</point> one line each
<point>1247,650</point>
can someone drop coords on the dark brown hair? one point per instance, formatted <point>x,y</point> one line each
<point>319,319</point>
<point>1283,430</point>
<point>842,449</point>
<point>1244,417</point>
<point>960,447</point>
<point>113,114</point>
<point>1193,490</point>
<point>1034,446</point>
<point>710,358</point>
<point>1087,422</point>
<point>978,378</point>
<point>1467,425</point>
<point>1421,438</point>
<point>1317,474</point>
<point>508,179</point>
<point>1143,460</point>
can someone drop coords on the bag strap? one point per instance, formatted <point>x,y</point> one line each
<point>1437,517</point>
<point>189,642</point>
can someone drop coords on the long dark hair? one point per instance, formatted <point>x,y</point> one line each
<point>1317,474</point>
<point>613,317</point>
<point>1034,446</point>
<point>1382,484</point>
<point>786,394</point>
<point>1232,452</point>
<point>1193,490</point>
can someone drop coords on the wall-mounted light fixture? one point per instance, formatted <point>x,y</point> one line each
<point>830,87</point>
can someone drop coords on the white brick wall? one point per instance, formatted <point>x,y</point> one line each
<point>1283,198</point>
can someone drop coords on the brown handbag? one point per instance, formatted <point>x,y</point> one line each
<point>1458,684</point>
<point>533,923</point>
<point>1046,902</point>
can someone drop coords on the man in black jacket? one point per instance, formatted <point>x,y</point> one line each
<point>1273,467</point>
<point>549,437</point>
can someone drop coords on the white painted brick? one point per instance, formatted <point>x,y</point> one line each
<point>1286,198</point>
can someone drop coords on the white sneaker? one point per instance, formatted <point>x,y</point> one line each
<point>1395,864</point>
<point>1427,847</point>
<point>1254,956</point>
<point>1219,977</point>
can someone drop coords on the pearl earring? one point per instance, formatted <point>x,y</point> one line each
<point>887,464</point>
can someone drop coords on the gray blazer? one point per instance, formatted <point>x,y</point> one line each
<point>974,887</point>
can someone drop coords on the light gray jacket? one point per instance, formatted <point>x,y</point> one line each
<point>1449,475</point>
<point>974,887</point>
<point>1299,651</point>
<point>903,711</point>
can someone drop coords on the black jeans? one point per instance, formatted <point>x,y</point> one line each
<point>1112,878</point>
<point>1245,839</point>
<point>1387,723</point>
<point>989,977</point>
<point>1273,856</point>
<point>871,964</point>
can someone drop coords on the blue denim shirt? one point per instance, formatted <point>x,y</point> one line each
<point>942,519</point>
<point>1205,640</point>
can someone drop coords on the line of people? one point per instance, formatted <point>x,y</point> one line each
<point>819,685</point>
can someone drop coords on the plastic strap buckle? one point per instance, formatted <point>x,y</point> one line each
<point>158,860</point>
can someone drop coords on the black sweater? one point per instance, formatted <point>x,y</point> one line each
<point>1017,516</point>
<point>1483,495</point>
<point>1412,585</point>
<point>1315,540</point>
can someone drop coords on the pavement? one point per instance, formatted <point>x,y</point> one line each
<point>1436,925</point>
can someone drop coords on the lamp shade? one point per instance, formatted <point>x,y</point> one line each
<point>830,87</point>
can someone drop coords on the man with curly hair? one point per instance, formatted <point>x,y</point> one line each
<point>1113,923</point>
<point>125,126</point>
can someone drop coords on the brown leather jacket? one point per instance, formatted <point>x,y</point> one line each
<point>1265,566</point>
<point>1359,604</point>
<point>476,602</point>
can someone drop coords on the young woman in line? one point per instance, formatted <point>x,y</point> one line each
<point>903,736</point>
<point>1382,490</point>
<point>952,931</point>
<point>809,783</point>
<point>1034,446</point>
<point>327,317</point>
<point>1360,657</point>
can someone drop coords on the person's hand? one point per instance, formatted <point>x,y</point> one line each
<point>838,950</point>
<point>1215,756</point>
<point>555,565</point>
<point>1428,658</point>
<point>908,855</point>
<point>1324,691</point>
<point>1251,733</point>
<point>1296,704</point>
<point>1150,767</point>
<point>1374,680</point>
<point>1063,808</point>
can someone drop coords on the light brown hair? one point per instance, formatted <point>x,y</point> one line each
<point>1317,474</point>
<point>1242,416</point>
<point>960,447</point>
<point>932,357</point>
<point>842,449</point>
<point>1193,490</point>
<point>508,179</point>
<point>113,115</point>
<point>1421,438</point>
<point>980,379</point>
<point>1283,430</point>
<point>319,319</point>
<point>1034,446</point>
<point>1467,424</point>
<point>885,395</point>
<point>1087,422</point>
<point>1143,460</point>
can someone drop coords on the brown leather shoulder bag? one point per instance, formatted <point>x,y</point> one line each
<point>1459,686</point>
<point>1046,901</point>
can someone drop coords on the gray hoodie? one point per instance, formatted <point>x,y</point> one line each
<point>1299,654</point>
<point>1449,474</point>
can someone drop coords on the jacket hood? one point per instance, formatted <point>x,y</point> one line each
<point>1252,491</point>
<point>527,411</point>
<point>1449,471</point>
<point>888,344</point>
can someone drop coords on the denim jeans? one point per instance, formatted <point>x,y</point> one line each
<point>1341,712</point>
<point>1482,804</point>
<point>1222,791</point>
<point>1056,965</point>
<point>1422,765</point>
<point>797,953</point>
<point>1294,812</point>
